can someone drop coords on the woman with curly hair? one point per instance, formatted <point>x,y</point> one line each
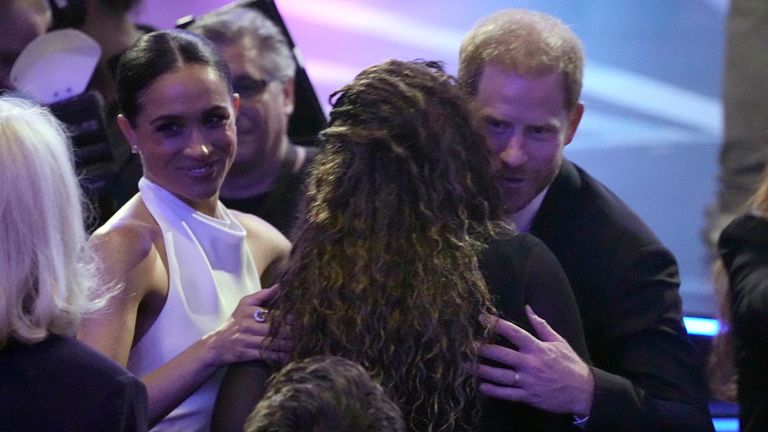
<point>402,248</point>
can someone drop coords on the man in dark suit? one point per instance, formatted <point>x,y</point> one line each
<point>524,72</point>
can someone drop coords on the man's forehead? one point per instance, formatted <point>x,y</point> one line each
<point>244,50</point>
<point>524,69</point>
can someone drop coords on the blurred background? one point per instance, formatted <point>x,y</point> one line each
<point>653,124</point>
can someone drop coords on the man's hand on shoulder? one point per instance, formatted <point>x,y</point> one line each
<point>545,373</point>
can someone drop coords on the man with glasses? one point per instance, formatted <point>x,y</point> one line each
<point>267,176</point>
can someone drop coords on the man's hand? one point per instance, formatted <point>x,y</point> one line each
<point>545,373</point>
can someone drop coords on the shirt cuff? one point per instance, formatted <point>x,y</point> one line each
<point>580,422</point>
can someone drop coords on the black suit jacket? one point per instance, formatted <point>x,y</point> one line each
<point>62,385</point>
<point>647,374</point>
<point>519,271</point>
<point>743,247</point>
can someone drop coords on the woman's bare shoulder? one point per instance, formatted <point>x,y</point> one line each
<point>127,240</point>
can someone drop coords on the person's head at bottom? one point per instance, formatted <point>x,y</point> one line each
<point>324,394</point>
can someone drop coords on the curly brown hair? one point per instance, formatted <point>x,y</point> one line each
<point>384,269</point>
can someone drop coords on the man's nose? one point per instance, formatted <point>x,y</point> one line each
<point>514,153</point>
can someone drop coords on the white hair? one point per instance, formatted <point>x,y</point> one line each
<point>46,271</point>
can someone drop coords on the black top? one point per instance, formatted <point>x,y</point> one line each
<point>648,376</point>
<point>743,247</point>
<point>62,385</point>
<point>279,205</point>
<point>520,270</point>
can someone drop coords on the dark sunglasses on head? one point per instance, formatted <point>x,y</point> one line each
<point>248,87</point>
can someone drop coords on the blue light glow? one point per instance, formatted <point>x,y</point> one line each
<point>726,424</point>
<point>701,326</point>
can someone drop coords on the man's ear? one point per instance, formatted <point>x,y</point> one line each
<point>573,122</point>
<point>128,133</point>
<point>289,94</point>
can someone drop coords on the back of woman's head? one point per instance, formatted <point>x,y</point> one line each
<point>384,269</point>
<point>404,131</point>
<point>43,282</point>
<point>156,54</point>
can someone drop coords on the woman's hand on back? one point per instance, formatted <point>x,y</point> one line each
<point>245,334</point>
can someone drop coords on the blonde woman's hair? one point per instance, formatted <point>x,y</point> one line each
<point>45,269</point>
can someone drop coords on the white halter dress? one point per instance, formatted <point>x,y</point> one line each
<point>209,270</point>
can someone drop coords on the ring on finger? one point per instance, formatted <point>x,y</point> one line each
<point>261,315</point>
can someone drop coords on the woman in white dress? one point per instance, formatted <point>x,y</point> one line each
<point>189,272</point>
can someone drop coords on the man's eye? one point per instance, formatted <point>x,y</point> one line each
<point>496,125</point>
<point>539,130</point>
<point>248,87</point>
